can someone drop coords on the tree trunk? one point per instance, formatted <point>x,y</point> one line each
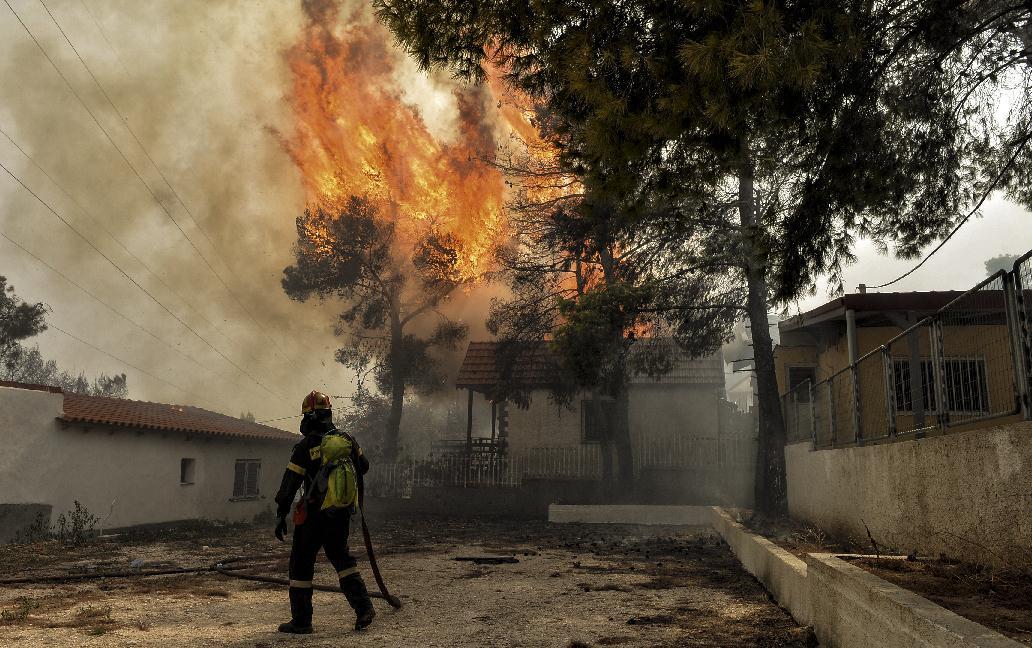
<point>770,487</point>
<point>605,445</point>
<point>622,434</point>
<point>619,426</point>
<point>390,438</point>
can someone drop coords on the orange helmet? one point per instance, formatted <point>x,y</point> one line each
<point>315,401</point>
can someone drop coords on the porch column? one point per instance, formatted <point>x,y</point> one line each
<point>469,424</point>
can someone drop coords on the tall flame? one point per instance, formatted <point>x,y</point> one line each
<point>355,135</point>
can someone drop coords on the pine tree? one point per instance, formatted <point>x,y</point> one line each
<point>775,132</point>
<point>353,254</point>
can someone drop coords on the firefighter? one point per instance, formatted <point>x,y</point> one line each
<point>327,464</point>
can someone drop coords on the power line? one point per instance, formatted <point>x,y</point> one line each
<point>985,195</point>
<point>154,164</point>
<point>139,177</point>
<point>106,305</point>
<point>127,363</point>
<point>95,221</point>
<point>136,283</point>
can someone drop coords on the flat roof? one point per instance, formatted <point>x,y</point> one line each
<point>919,302</point>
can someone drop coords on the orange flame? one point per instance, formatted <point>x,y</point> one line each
<point>355,135</point>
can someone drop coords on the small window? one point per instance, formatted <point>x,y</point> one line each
<point>245,477</point>
<point>592,429</point>
<point>186,471</point>
<point>799,375</point>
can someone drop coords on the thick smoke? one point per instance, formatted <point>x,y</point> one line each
<point>203,86</point>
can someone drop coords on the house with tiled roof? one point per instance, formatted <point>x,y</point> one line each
<point>684,402</point>
<point>130,462</point>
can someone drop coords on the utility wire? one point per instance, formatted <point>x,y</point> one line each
<point>127,363</point>
<point>138,176</point>
<point>95,221</point>
<point>985,196</point>
<point>136,283</point>
<point>154,164</point>
<point>108,306</point>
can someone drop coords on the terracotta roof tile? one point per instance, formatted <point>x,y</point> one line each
<point>120,412</point>
<point>538,367</point>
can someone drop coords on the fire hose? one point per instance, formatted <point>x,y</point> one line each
<point>230,567</point>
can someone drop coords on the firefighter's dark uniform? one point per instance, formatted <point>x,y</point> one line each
<point>326,530</point>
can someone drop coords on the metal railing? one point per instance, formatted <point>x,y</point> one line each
<point>966,363</point>
<point>583,462</point>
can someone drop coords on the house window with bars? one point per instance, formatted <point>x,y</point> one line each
<point>965,384</point>
<point>245,478</point>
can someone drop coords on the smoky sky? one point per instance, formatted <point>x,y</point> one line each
<point>202,86</point>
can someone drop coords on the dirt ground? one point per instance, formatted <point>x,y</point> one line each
<point>998,599</point>
<point>574,586</point>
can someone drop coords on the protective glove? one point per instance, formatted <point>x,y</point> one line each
<point>281,527</point>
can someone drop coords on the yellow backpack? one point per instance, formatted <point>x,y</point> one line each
<point>337,481</point>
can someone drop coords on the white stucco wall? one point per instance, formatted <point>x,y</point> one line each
<point>655,412</point>
<point>662,411</point>
<point>967,494</point>
<point>44,461</point>
<point>544,424</point>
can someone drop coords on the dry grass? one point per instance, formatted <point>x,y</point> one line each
<point>20,614</point>
<point>999,598</point>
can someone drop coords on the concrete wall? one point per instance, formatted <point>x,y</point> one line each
<point>46,462</point>
<point>967,494</point>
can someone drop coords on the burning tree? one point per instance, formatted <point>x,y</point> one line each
<point>610,300</point>
<point>776,132</point>
<point>391,290</point>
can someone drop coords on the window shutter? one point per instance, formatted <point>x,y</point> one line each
<point>253,467</point>
<point>239,478</point>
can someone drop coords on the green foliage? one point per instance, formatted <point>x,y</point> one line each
<point>76,527</point>
<point>354,255</point>
<point>40,530</point>
<point>19,614</point>
<point>20,321</point>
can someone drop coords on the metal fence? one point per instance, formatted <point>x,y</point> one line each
<point>583,462</point>
<point>966,363</point>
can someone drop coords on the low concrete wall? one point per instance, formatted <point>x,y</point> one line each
<point>855,609</point>
<point>17,519</point>
<point>783,574</point>
<point>846,606</point>
<point>631,514</point>
<point>967,495</point>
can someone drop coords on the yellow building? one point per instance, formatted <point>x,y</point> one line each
<point>896,386</point>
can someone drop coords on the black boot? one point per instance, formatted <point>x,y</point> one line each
<point>300,612</point>
<point>358,597</point>
<point>364,618</point>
